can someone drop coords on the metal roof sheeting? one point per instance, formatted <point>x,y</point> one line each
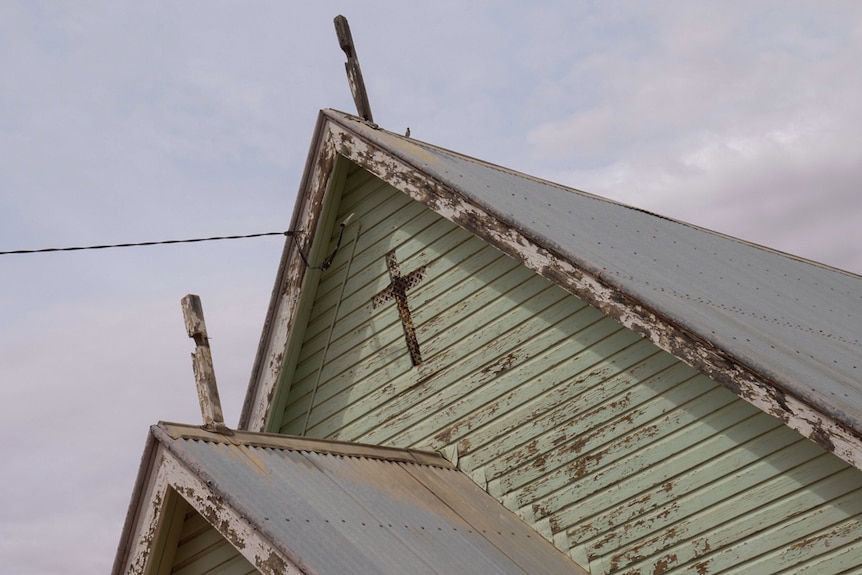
<point>793,322</point>
<point>353,513</point>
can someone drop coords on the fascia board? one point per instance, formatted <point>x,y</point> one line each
<point>284,303</point>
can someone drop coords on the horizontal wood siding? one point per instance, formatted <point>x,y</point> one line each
<point>627,459</point>
<point>203,551</point>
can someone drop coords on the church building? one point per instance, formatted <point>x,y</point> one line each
<point>466,369</point>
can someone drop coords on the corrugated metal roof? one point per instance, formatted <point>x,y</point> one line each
<point>793,322</point>
<point>347,509</point>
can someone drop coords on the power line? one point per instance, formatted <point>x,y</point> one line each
<point>159,243</point>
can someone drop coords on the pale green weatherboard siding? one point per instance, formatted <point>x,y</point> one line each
<point>627,459</point>
<point>203,551</point>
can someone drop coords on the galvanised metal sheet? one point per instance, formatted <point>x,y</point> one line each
<point>793,321</point>
<point>614,449</point>
<point>351,514</point>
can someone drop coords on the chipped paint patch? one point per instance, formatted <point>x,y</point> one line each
<point>145,532</point>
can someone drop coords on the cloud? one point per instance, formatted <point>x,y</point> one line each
<point>739,120</point>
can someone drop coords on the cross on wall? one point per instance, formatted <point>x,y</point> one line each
<point>397,290</point>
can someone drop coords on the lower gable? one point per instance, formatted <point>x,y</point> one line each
<point>627,459</point>
<point>203,551</point>
<point>189,545</point>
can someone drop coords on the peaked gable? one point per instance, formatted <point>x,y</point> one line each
<point>776,330</point>
<point>189,545</point>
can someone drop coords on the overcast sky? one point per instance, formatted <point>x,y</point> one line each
<point>128,122</point>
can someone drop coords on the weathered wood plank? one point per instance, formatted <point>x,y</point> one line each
<point>833,559</point>
<point>482,341</point>
<point>603,444</point>
<point>739,517</point>
<point>706,498</point>
<point>646,497</point>
<point>560,394</point>
<point>387,343</point>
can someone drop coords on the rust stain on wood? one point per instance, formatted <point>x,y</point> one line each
<point>397,290</point>
<point>501,365</point>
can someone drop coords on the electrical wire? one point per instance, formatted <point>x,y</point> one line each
<point>289,233</point>
<point>159,243</point>
<point>324,265</point>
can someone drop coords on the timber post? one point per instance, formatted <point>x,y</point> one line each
<point>354,72</point>
<point>202,363</point>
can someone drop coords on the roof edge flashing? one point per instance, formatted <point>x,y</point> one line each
<point>176,431</point>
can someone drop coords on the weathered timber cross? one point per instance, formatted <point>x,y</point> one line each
<point>397,290</point>
<point>354,72</point>
<point>202,363</point>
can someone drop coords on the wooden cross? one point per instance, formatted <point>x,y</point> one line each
<point>202,363</point>
<point>397,290</point>
<point>354,72</point>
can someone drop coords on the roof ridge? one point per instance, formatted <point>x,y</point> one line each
<point>178,431</point>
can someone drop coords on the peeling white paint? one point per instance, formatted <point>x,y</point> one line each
<point>145,530</point>
<point>288,289</point>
